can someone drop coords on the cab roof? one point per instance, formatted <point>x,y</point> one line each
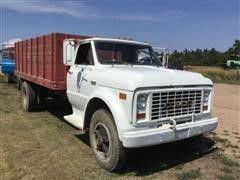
<point>115,40</point>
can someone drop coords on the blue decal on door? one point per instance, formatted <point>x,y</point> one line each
<point>79,79</point>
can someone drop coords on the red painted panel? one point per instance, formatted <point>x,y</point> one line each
<point>28,71</point>
<point>34,57</point>
<point>24,57</point>
<point>40,60</point>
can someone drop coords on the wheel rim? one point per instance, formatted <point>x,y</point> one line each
<point>24,97</point>
<point>102,141</point>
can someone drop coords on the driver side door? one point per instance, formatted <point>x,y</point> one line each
<point>77,77</point>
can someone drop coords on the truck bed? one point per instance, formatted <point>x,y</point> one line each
<point>40,60</point>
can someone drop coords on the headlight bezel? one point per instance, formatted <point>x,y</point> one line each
<point>207,100</point>
<point>206,95</point>
<point>142,102</point>
<point>142,112</point>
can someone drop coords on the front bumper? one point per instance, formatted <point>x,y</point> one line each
<point>154,136</point>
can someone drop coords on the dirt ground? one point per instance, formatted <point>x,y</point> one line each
<point>41,145</point>
<point>227,109</point>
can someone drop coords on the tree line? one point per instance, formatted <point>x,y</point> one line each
<point>206,57</point>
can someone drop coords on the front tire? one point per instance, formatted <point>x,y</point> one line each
<point>29,100</point>
<point>104,141</point>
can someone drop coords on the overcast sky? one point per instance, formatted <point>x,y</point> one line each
<point>175,24</point>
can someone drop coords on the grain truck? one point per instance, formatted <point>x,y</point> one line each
<point>119,92</point>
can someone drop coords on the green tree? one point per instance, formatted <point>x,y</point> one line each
<point>203,57</point>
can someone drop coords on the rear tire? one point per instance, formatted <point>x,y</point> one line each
<point>19,83</point>
<point>40,96</point>
<point>104,141</point>
<point>29,100</point>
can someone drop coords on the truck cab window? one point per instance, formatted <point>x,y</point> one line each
<point>84,55</point>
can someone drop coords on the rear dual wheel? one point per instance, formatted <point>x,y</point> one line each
<point>104,141</point>
<point>19,83</point>
<point>33,97</point>
<point>29,100</point>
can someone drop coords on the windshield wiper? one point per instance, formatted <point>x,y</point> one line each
<point>114,61</point>
<point>119,61</point>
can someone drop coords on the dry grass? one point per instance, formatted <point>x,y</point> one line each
<point>227,177</point>
<point>41,145</point>
<point>217,74</point>
<point>192,174</point>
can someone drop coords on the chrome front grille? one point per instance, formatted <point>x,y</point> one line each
<point>176,104</point>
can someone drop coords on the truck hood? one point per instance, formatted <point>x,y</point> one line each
<point>133,77</point>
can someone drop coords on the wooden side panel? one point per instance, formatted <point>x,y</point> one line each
<point>48,57</point>
<point>40,57</point>
<point>34,57</point>
<point>24,50</point>
<point>29,57</point>
<point>40,60</point>
<point>20,54</point>
<point>16,57</point>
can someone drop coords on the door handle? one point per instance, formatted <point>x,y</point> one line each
<point>70,72</point>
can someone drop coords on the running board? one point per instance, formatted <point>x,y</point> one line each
<point>74,120</point>
<point>80,132</point>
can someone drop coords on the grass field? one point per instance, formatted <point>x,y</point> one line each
<point>217,74</point>
<point>40,145</point>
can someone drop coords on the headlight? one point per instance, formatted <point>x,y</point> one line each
<point>141,102</point>
<point>142,106</point>
<point>206,99</point>
<point>206,94</point>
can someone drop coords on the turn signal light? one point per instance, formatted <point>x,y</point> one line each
<point>122,96</point>
<point>205,108</point>
<point>141,116</point>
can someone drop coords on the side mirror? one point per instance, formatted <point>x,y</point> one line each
<point>165,57</point>
<point>69,51</point>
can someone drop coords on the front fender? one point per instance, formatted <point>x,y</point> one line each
<point>120,109</point>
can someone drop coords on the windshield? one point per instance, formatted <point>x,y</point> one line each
<point>124,53</point>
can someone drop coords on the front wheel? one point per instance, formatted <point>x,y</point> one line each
<point>104,141</point>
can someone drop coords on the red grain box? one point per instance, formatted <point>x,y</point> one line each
<point>40,60</point>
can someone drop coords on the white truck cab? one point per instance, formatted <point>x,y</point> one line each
<point>122,94</point>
